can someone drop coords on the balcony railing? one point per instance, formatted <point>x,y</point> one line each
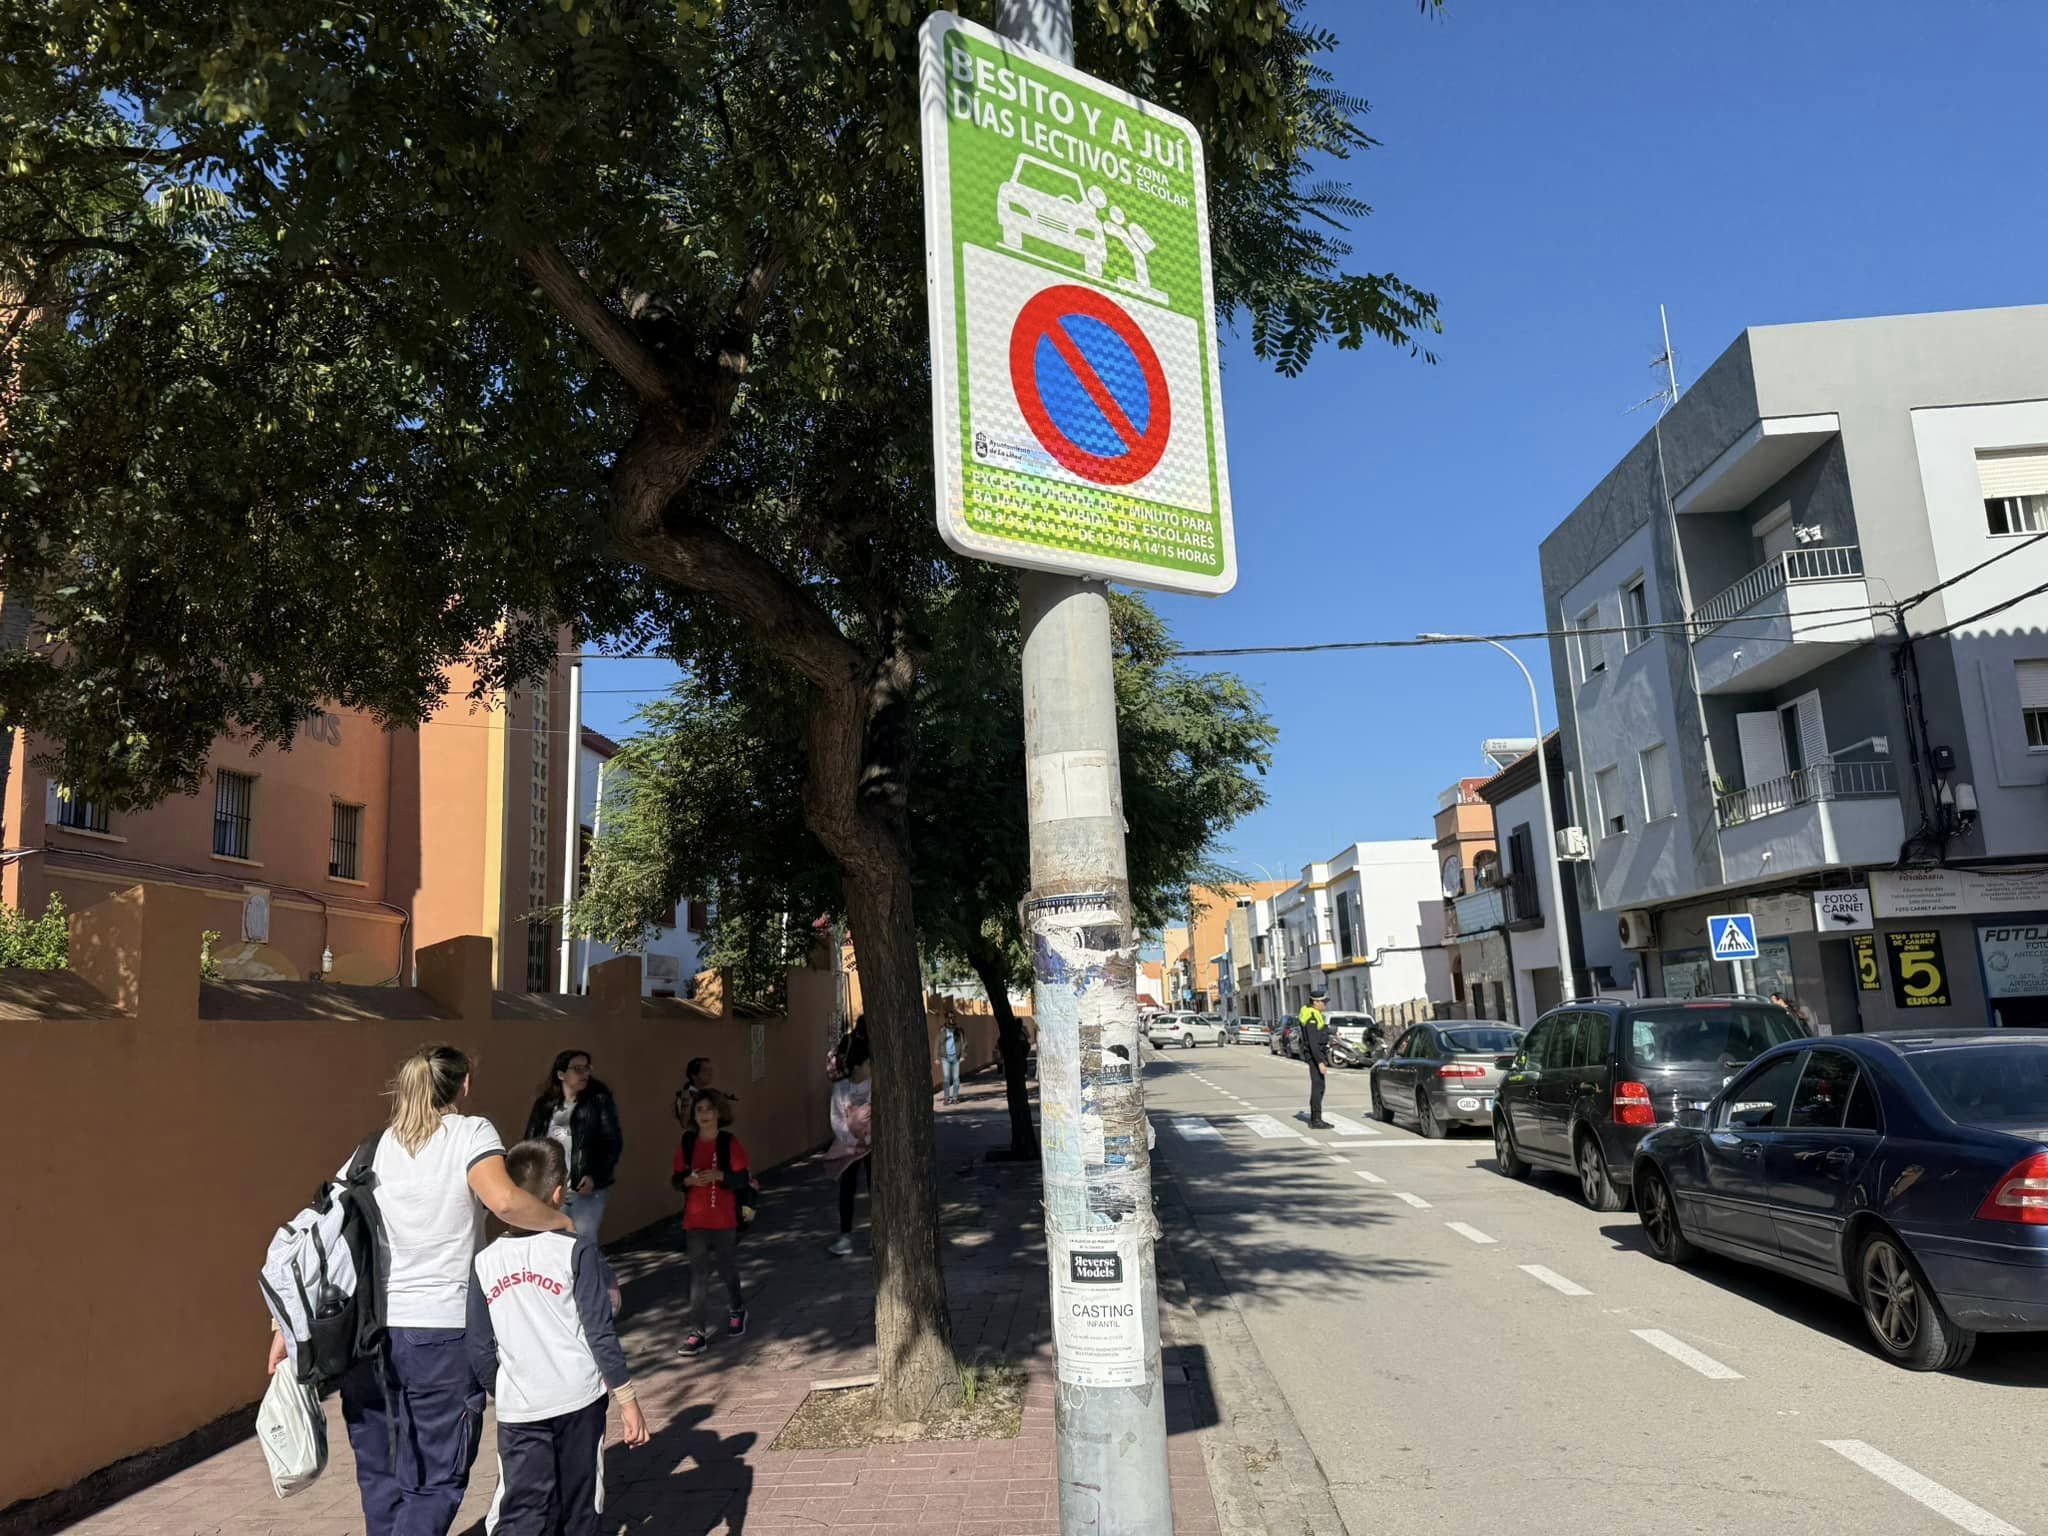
<point>1828,562</point>
<point>1823,781</point>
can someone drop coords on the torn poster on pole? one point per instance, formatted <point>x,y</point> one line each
<point>1095,1136</point>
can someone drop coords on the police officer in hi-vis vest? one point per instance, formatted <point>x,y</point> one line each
<point>1315,1045</point>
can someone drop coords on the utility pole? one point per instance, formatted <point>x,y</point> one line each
<point>1095,1141</point>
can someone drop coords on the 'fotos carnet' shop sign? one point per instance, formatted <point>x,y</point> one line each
<point>1077,410</point>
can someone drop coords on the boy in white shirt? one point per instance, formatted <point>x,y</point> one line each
<point>541,1335</point>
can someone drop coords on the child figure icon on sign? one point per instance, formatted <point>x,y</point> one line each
<point>1139,245</point>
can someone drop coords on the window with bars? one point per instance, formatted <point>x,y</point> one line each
<point>345,852</point>
<point>234,802</point>
<point>79,813</point>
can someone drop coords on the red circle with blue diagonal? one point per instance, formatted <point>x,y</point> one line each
<point>1090,385</point>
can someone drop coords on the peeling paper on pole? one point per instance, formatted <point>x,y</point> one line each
<point>1096,1139</point>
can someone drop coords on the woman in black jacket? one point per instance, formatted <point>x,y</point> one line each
<point>578,1111</point>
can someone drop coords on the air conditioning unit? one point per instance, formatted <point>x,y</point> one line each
<point>1638,931</point>
<point>1571,843</point>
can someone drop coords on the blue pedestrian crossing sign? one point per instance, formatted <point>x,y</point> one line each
<point>1732,936</point>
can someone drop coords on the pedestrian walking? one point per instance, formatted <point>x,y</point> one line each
<point>949,1058</point>
<point>711,1171</point>
<point>542,1336</point>
<point>414,1413</point>
<point>1315,1045</point>
<point>852,1133</point>
<point>579,1114</point>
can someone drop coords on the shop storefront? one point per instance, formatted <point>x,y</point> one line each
<point>1958,948</point>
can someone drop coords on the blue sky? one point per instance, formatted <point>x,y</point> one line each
<point>1553,171</point>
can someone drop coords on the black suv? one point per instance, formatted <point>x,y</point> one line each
<point>1594,1077</point>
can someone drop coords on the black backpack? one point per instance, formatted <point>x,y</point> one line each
<point>742,1184</point>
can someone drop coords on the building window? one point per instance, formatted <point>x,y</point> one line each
<point>1613,812</point>
<point>1635,614</point>
<point>1656,783</point>
<point>345,851</point>
<point>79,813</point>
<point>1592,647</point>
<point>697,916</point>
<point>2016,514</point>
<point>2033,680</point>
<point>234,803</point>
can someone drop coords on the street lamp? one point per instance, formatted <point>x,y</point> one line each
<point>1564,940</point>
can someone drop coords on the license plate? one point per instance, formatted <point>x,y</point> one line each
<point>1487,1103</point>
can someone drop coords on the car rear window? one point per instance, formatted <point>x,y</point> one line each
<point>1711,1035</point>
<point>1997,1084</point>
<point>1480,1041</point>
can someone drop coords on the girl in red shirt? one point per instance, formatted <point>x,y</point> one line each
<point>711,1171</point>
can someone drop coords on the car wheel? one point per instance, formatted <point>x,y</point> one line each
<point>1380,1112</point>
<point>1426,1119</point>
<point>1505,1157</point>
<point>1659,1211</point>
<point>1187,1042</point>
<point>1902,1312</point>
<point>1595,1186</point>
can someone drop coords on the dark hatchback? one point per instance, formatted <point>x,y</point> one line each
<point>1907,1173</point>
<point>1592,1079</point>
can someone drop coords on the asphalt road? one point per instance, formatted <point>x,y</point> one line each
<point>1463,1351</point>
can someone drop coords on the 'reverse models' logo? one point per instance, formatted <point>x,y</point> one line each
<point>1096,1268</point>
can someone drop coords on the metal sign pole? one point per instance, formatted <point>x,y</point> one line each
<point>1110,1438</point>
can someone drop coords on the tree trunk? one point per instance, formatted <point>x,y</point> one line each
<point>1015,1048</point>
<point>913,1324</point>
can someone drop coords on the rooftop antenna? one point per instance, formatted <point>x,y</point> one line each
<point>1666,397</point>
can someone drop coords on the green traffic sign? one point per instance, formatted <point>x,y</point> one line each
<point>1077,409</point>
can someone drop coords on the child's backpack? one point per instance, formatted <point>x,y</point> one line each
<point>750,1200</point>
<point>323,1276</point>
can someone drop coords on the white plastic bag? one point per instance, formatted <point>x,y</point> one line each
<point>293,1429</point>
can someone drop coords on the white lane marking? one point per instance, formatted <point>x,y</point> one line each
<point>1267,1128</point>
<point>1387,1143</point>
<point>1952,1507</point>
<point>1685,1354</point>
<point>1415,1200</point>
<point>1370,1178</point>
<point>1346,1127</point>
<point>1333,1157</point>
<point>1194,1128</point>
<point>1469,1232</point>
<point>1554,1280</point>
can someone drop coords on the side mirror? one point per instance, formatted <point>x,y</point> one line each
<point>1693,1119</point>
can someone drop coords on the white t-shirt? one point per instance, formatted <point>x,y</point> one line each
<point>432,1221</point>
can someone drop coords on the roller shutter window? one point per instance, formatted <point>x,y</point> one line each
<point>2033,681</point>
<point>2015,484</point>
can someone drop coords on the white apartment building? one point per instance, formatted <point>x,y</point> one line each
<point>674,951</point>
<point>1362,927</point>
<point>1808,678</point>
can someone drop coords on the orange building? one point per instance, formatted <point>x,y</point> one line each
<point>341,857</point>
<point>1211,909</point>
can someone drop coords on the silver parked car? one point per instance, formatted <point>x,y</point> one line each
<point>1186,1030</point>
<point>1250,1031</point>
<point>1443,1074</point>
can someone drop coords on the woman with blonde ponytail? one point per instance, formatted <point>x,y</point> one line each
<point>437,1170</point>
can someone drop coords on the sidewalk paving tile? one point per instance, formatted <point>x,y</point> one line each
<point>707,1468</point>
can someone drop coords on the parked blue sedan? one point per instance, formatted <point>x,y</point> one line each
<point>1907,1173</point>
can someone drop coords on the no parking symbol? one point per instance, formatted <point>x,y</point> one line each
<point>1089,384</point>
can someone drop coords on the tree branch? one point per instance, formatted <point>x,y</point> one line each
<point>736,342</point>
<point>613,339</point>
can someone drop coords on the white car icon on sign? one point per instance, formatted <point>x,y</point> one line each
<point>1048,203</point>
